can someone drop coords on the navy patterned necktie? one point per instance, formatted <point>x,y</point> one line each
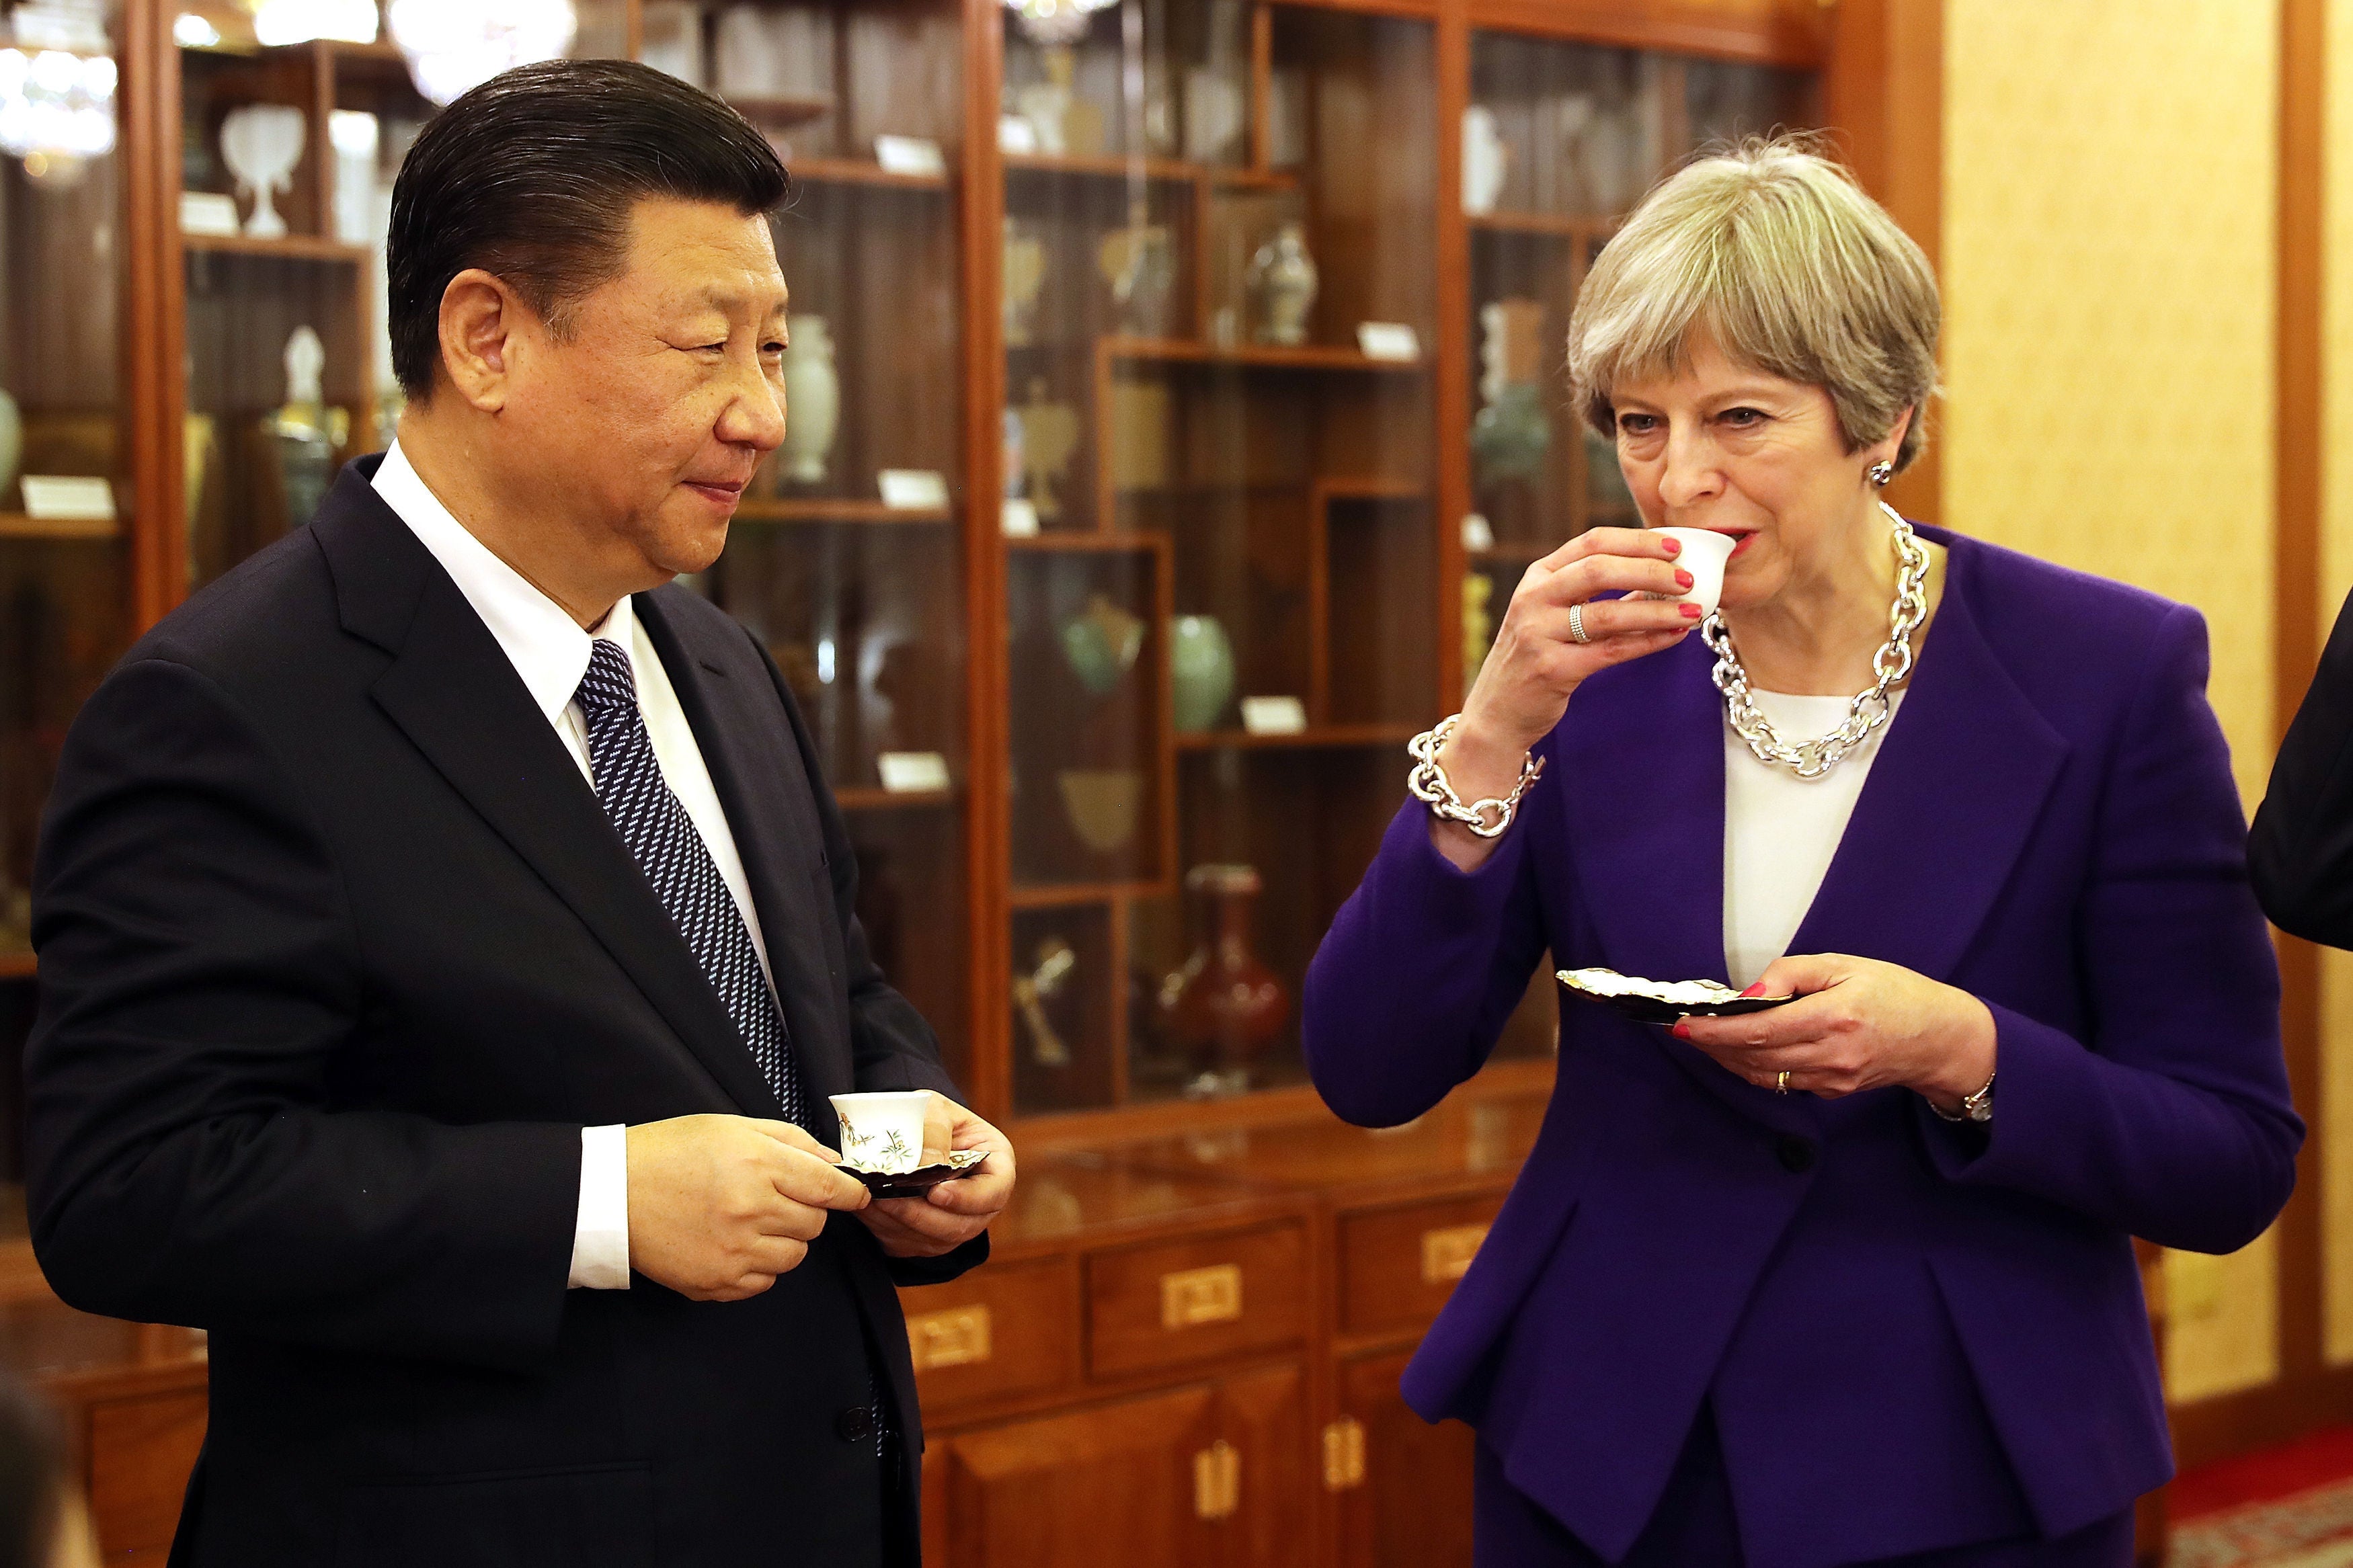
<point>664,842</point>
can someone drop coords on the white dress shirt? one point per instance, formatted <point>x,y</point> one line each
<point>1780,831</point>
<point>550,653</point>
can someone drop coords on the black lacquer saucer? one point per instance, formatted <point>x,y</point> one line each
<point>1658,1002</point>
<point>915,1183</point>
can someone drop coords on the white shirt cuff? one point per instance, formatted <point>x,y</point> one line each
<point>600,1238</point>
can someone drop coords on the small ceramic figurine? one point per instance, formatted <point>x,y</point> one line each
<point>812,399</point>
<point>1024,281</point>
<point>1486,159</point>
<point>1139,262</point>
<point>305,432</point>
<point>1283,281</point>
<point>1049,437</point>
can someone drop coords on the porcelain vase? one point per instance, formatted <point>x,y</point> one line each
<point>812,399</point>
<point>1284,278</point>
<point>1224,1006</point>
<point>1201,671</point>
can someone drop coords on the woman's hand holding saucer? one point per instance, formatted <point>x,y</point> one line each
<point>1539,659</point>
<point>1857,1024</point>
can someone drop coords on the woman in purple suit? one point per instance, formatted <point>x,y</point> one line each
<point>1848,1280</point>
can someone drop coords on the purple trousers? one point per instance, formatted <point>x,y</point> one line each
<point>1695,1527</point>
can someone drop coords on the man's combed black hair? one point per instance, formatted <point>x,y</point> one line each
<point>532,177</point>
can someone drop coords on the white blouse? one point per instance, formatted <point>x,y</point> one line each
<point>1780,831</point>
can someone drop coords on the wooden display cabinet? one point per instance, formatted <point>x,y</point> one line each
<point>1111,595</point>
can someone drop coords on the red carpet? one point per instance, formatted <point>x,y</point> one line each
<point>2289,1507</point>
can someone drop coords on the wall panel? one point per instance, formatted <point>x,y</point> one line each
<point>2109,250</point>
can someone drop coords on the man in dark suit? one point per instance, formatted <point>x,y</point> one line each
<point>442,919</point>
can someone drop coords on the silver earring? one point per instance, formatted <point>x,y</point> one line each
<point>1880,473</point>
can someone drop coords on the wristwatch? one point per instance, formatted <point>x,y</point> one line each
<point>1977,1107</point>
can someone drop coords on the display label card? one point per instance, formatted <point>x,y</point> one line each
<point>74,499</point>
<point>1018,519</point>
<point>207,212</point>
<point>1015,134</point>
<point>913,490</point>
<point>1273,715</point>
<point>913,772</point>
<point>911,155</point>
<point>1388,340</point>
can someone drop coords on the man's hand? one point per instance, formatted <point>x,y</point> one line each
<point>719,1205</point>
<point>954,1212</point>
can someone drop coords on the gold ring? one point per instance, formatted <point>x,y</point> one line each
<point>1781,1084</point>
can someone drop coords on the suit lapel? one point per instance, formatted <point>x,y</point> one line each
<point>1956,790</point>
<point>452,689</point>
<point>768,797</point>
<point>1642,764</point>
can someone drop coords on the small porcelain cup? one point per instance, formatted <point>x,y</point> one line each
<point>1705,554</point>
<point>883,1132</point>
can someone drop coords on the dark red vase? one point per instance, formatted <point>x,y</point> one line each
<point>1224,1006</point>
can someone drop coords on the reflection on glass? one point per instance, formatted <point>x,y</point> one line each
<point>845,559</point>
<point>1219,511</point>
<point>63,503</point>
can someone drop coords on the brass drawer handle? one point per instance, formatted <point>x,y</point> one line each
<point>1446,1254</point>
<point>957,1336</point>
<point>1192,1297</point>
<point>1343,1454</point>
<point>1218,1481</point>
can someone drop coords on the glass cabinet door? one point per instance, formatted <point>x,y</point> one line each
<point>66,499</point>
<point>846,556</point>
<point>64,502</point>
<point>287,157</point>
<point>1560,140</point>
<point>1218,316</point>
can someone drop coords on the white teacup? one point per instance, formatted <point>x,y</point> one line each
<point>1704,556</point>
<point>883,1132</point>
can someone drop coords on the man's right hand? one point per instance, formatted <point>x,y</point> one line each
<point>719,1205</point>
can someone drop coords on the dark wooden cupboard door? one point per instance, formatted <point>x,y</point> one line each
<point>1212,1476</point>
<point>1404,1485</point>
<point>1114,1483</point>
<point>1265,1426</point>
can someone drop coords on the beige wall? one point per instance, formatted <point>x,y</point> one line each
<point>2109,260</point>
<point>2335,579</point>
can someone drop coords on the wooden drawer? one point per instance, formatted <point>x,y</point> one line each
<point>1398,1265</point>
<point>141,1451</point>
<point>1008,1329</point>
<point>1171,1303</point>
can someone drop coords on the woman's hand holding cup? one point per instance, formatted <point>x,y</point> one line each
<point>1538,663</point>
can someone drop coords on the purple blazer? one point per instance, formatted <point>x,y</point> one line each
<point>1914,1336</point>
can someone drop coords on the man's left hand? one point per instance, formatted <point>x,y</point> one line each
<point>956,1211</point>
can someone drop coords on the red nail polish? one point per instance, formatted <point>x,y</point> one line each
<point>1682,1030</point>
<point>1690,611</point>
<point>1674,547</point>
<point>1683,578</point>
<point>1756,990</point>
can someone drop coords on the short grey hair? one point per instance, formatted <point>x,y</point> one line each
<point>1773,252</point>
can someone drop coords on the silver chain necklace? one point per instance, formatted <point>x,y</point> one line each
<point>1892,662</point>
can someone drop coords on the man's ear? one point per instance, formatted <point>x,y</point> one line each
<point>482,320</point>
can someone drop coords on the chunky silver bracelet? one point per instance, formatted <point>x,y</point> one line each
<point>1977,1107</point>
<point>1428,783</point>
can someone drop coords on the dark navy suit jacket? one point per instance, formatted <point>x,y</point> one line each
<point>339,953</point>
<point>1914,1335</point>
